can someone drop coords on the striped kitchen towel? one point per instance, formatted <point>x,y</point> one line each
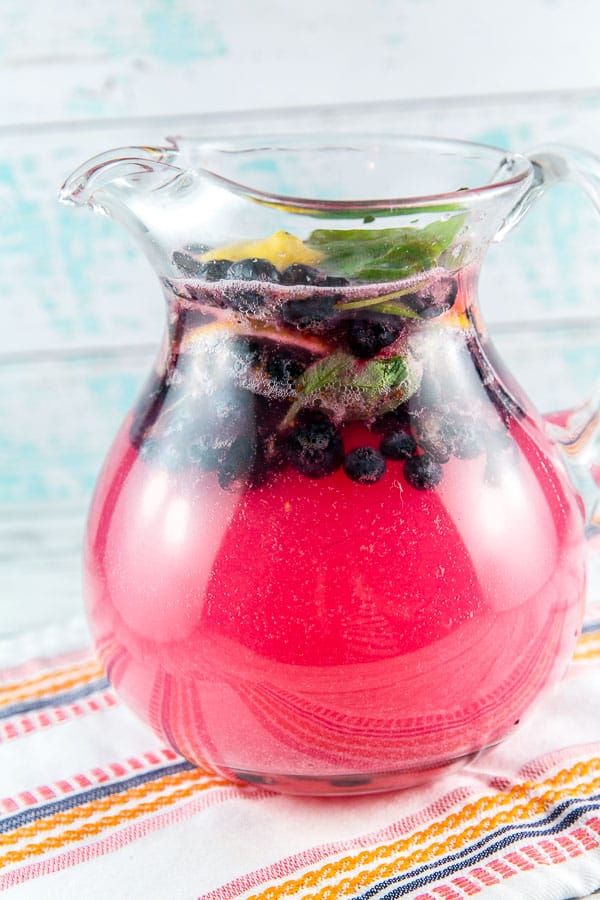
<point>92,805</point>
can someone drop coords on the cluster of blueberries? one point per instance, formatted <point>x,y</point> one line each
<point>315,448</point>
<point>254,269</point>
<point>311,312</point>
<point>236,432</point>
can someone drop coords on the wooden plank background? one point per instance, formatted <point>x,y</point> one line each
<point>81,310</point>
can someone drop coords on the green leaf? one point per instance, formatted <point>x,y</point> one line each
<point>355,388</point>
<point>384,254</point>
<point>399,262</point>
<point>380,376</point>
<point>442,232</point>
<point>326,373</point>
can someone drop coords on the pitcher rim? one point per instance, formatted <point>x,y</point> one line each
<point>455,200</point>
<point>79,186</point>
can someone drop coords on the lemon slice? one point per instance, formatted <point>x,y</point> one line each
<point>281,249</point>
<point>223,329</point>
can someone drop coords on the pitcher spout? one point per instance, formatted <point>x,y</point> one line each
<point>134,186</point>
<point>115,173</point>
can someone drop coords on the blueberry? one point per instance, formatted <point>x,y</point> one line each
<point>254,269</point>
<point>333,281</point>
<point>314,447</point>
<point>422,472</point>
<point>298,273</point>
<point>430,432</point>
<point>284,370</point>
<point>187,263</point>
<point>364,465</point>
<point>245,301</point>
<point>214,269</point>
<point>366,337</point>
<point>237,462</point>
<point>438,297</point>
<point>308,312</point>
<point>397,419</point>
<point>398,445</point>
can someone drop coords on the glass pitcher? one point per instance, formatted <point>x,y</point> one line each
<point>334,549</point>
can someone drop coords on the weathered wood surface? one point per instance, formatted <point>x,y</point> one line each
<point>108,58</point>
<point>81,310</point>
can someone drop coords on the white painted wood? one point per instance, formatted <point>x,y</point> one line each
<point>74,60</point>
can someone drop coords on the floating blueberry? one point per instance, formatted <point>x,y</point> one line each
<point>253,269</point>
<point>398,419</point>
<point>237,461</point>
<point>298,273</point>
<point>366,337</point>
<point>308,312</point>
<point>398,445</point>
<point>422,472</point>
<point>364,465</point>
<point>315,446</point>
<point>430,431</point>
<point>244,301</point>
<point>187,263</point>
<point>438,297</point>
<point>214,269</point>
<point>284,370</point>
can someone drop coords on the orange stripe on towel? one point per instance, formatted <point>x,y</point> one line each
<point>177,787</point>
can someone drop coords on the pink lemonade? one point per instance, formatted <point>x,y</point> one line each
<point>332,549</point>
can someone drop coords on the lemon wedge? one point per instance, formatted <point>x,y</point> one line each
<point>281,249</point>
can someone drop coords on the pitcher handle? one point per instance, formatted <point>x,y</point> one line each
<point>576,431</point>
